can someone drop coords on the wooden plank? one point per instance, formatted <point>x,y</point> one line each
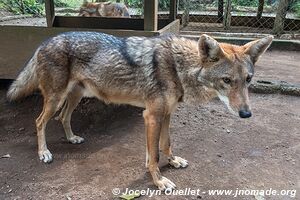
<point>18,44</point>
<point>150,15</point>
<point>98,22</point>
<point>104,23</point>
<point>50,14</point>
<point>172,27</point>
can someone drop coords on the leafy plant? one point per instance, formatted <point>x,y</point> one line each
<point>57,3</point>
<point>22,6</point>
<point>297,9</point>
<point>162,4</point>
<point>249,3</point>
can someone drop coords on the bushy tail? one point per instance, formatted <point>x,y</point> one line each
<point>26,83</point>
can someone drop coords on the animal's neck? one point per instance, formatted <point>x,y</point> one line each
<point>188,67</point>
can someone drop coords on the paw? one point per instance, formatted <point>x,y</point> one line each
<point>76,139</point>
<point>178,162</point>
<point>165,184</point>
<point>45,156</point>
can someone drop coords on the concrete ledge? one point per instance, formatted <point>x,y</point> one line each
<point>277,44</point>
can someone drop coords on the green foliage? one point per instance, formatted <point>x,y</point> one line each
<point>249,3</point>
<point>135,3</point>
<point>23,6</point>
<point>69,3</point>
<point>297,9</point>
<point>57,3</point>
<point>162,4</point>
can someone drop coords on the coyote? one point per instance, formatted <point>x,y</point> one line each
<point>104,9</point>
<point>153,73</point>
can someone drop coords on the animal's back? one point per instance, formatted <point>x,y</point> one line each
<point>113,65</point>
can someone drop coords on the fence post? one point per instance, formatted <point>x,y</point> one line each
<point>260,9</point>
<point>186,13</point>
<point>150,15</point>
<point>280,17</point>
<point>220,10</point>
<point>49,8</point>
<point>173,10</point>
<point>227,15</point>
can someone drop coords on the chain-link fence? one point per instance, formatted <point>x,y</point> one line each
<point>230,16</point>
<point>242,16</point>
<point>235,16</point>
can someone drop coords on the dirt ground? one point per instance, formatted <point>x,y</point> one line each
<point>224,152</point>
<point>37,21</point>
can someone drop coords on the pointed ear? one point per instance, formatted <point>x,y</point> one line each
<point>258,47</point>
<point>209,49</point>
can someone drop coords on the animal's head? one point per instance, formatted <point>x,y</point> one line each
<point>228,69</point>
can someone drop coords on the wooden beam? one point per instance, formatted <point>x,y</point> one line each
<point>260,8</point>
<point>185,19</point>
<point>50,14</point>
<point>282,8</point>
<point>150,15</point>
<point>173,10</point>
<point>227,15</point>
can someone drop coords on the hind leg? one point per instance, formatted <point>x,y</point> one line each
<point>72,101</point>
<point>50,107</point>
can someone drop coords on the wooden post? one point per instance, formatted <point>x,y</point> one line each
<point>260,8</point>
<point>150,15</point>
<point>280,17</point>
<point>186,13</point>
<point>173,10</point>
<point>220,10</point>
<point>22,6</point>
<point>49,7</point>
<point>227,15</point>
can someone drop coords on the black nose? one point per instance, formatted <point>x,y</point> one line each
<point>245,114</point>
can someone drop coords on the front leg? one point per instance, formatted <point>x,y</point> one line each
<point>165,145</point>
<point>153,125</point>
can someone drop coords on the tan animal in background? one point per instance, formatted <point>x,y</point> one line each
<point>104,9</point>
<point>153,73</point>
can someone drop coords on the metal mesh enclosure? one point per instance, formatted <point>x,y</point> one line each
<point>229,16</point>
<point>242,16</point>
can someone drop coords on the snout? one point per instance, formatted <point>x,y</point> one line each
<point>245,113</point>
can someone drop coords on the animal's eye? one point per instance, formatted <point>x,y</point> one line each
<point>248,79</point>
<point>227,80</point>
